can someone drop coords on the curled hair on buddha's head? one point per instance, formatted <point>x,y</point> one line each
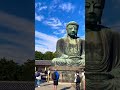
<point>72,23</point>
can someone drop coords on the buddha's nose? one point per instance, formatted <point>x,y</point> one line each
<point>73,29</point>
<point>91,9</point>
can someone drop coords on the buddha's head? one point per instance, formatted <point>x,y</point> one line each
<point>72,29</point>
<point>93,12</point>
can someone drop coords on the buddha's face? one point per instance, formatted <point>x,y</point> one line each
<point>72,30</point>
<point>93,10</point>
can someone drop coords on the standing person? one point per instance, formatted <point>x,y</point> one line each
<point>38,78</point>
<point>83,79</point>
<point>35,78</point>
<point>48,78</point>
<point>77,80</point>
<point>55,77</point>
<point>46,74</point>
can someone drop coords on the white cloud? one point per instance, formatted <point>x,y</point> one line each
<point>15,53</point>
<point>39,6</point>
<point>9,21</point>
<point>53,5</point>
<point>45,42</point>
<point>67,7</point>
<point>56,33</point>
<point>62,31</point>
<point>54,23</point>
<point>20,44</point>
<point>41,48</point>
<point>39,17</point>
<point>42,8</point>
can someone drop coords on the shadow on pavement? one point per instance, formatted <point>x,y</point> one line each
<point>48,84</point>
<point>66,88</point>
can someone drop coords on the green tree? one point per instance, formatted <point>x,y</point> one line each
<point>55,54</point>
<point>28,70</point>
<point>11,71</point>
<point>8,70</point>
<point>38,55</point>
<point>48,55</point>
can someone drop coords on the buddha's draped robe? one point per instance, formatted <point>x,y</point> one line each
<point>103,68</point>
<point>69,54</point>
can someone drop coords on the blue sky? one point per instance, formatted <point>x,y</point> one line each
<point>51,17</point>
<point>17,24</point>
<point>111,14</point>
<point>17,30</point>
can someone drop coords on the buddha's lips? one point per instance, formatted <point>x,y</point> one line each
<point>91,15</point>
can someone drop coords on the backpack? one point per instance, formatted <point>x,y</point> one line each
<point>78,80</point>
<point>53,76</point>
<point>57,75</point>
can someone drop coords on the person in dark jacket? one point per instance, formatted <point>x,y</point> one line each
<point>77,80</point>
<point>55,77</point>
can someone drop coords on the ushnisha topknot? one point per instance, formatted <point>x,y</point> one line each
<point>72,23</point>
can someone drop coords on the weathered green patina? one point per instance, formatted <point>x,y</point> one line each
<point>102,50</point>
<point>70,48</point>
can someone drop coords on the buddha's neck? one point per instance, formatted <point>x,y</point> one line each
<point>72,40</point>
<point>92,27</point>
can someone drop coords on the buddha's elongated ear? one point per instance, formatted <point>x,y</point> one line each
<point>102,4</point>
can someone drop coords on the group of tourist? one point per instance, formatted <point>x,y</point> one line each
<point>79,78</point>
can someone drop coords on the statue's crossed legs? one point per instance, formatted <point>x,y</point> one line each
<point>68,62</point>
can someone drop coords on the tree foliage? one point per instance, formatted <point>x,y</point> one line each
<point>11,71</point>
<point>38,55</point>
<point>46,56</point>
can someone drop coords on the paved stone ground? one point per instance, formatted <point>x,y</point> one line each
<point>61,86</point>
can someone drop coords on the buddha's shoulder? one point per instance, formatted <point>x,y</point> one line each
<point>110,31</point>
<point>107,30</point>
<point>104,28</point>
<point>65,39</point>
<point>61,40</point>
